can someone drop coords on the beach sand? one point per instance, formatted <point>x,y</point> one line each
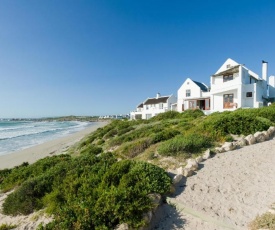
<point>50,148</point>
<point>228,191</point>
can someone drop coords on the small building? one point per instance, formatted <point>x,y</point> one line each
<point>153,106</point>
<point>193,95</point>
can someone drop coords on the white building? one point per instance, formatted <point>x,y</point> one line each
<point>232,86</point>
<point>193,95</point>
<point>235,86</point>
<point>153,106</point>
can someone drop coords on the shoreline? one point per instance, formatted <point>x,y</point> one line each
<point>50,148</point>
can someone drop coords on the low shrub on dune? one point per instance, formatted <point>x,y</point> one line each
<point>184,145</point>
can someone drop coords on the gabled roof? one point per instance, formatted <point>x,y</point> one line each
<point>231,70</point>
<point>140,105</point>
<point>152,101</point>
<point>202,86</point>
<point>228,64</point>
<point>230,67</point>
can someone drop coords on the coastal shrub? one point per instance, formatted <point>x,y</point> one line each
<point>25,199</point>
<point>3,174</point>
<point>184,145</point>
<point>111,133</point>
<point>192,113</point>
<point>130,173</point>
<point>91,149</point>
<point>88,140</point>
<point>125,130</point>
<point>28,197</point>
<point>24,172</point>
<point>166,115</point>
<point>103,196</point>
<point>141,132</point>
<point>132,149</point>
<point>164,135</point>
<point>219,125</point>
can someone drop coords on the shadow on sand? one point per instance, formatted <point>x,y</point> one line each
<point>167,217</point>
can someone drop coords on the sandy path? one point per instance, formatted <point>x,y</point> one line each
<point>50,148</point>
<point>228,192</point>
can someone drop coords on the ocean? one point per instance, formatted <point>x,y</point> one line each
<point>18,135</point>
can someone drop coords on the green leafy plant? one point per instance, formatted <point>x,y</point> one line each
<point>184,145</point>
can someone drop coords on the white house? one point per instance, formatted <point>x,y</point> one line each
<point>232,86</point>
<point>235,86</point>
<point>153,106</point>
<point>192,95</point>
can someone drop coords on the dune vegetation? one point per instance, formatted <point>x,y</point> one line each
<point>107,178</point>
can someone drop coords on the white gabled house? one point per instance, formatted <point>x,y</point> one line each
<point>232,86</point>
<point>235,86</point>
<point>153,106</point>
<point>193,95</point>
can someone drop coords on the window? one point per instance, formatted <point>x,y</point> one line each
<point>228,66</point>
<point>228,101</point>
<point>227,78</point>
<point>147,107</point>
<point>248,94</point>
<point>192,104</point>
<point>188,93</point>
<point>161,106</point>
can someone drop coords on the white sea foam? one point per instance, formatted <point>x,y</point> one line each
<point>17,135</point>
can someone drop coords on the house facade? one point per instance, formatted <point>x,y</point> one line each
<point>153,106</point>
<point>235,86</point>
<point>193,95</point>
<point>232,86</point>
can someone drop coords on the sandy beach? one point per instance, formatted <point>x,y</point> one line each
<point>228,191</point>
<point>50,148</point>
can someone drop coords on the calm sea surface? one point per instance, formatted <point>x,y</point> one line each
<point>17,135</point>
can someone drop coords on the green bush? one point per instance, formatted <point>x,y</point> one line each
<point>102,199</point>
<point>184,145</point>
<point>164,135</point>
<point>25,199</point>
<point>219,125</point>
<point>91,149</point>
<point>166,116</point>
<point>24,172</point>
<point>132,149</point>
<point>7,226</point>
<point>192,113</point>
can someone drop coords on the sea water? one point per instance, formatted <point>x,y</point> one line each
<point>16,135</point>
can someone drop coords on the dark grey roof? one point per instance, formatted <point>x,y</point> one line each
<point>140,105</point>
<point>152,101</point>
<point>202,86</point>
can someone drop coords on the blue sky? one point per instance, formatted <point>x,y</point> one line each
<point>101,57</point>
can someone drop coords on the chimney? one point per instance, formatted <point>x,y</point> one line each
<point>158,95</point>
<point>264,70</point>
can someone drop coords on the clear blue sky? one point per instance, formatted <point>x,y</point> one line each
<point>99,57</point>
